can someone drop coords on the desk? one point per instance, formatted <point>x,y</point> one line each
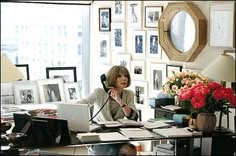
<point>156,137</point>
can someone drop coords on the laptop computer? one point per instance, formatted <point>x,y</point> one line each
<point>77,116</point>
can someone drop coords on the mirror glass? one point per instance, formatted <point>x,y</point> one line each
<point>182,31</point>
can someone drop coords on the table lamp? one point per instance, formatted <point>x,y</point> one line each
<point>9,71</point>
<point>221,69</point>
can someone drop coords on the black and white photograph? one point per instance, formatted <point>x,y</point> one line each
<point>104,48</point>
<point>104,19</point>
<point>26,96</point>
<point>118,10</point>
<point>139,43</point>
<point>137,70</point>
<point>51,90</point>
<point>153,47</point>
<point>118,37</point>
<point>123,60</point>
<point>68,74</point>
<point>51,93</point>
<point>141,93</point>
<point>26,92</point>
<point>158,77</point>
<point>72,92</point>
<point>134,14</point>
<point>152,15</point>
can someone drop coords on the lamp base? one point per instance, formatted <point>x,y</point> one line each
<point>221,130</point>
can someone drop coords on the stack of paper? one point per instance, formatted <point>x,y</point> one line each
<point>156,124</point>
<point>109,123</point>
<point>88,136</point>
<point>136,133</point>
<point>130,123</point>
<point>176,132</point>
<point>120,123</point>
<point>112,136</point>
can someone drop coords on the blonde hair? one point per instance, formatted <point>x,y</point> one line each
<point>113,74</point>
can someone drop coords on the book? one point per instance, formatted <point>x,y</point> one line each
<point>177,132</point>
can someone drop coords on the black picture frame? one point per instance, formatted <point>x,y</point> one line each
<point>175,68</point>
<point>104,19</point>
<point>24,68</point>
<point>67,73</point>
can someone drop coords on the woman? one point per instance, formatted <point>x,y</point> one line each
<point>119,102</point>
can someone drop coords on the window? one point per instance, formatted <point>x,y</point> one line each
<point>47,35</point>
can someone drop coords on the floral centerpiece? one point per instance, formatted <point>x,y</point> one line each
<point>182,80</point>
<point>207,98</point>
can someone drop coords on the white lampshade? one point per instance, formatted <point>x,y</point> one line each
<point>221,69</point>
<point>9,72</point>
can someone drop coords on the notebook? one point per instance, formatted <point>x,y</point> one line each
<point>77,116</point>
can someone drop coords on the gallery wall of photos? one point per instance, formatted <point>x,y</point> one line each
<point>128,36</point>
<point>59,86</point>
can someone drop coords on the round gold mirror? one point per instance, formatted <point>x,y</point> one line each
<point>182,31</point>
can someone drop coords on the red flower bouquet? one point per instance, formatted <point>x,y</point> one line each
<point>206,98</point>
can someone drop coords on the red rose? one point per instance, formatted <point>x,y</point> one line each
<point>198,102</point>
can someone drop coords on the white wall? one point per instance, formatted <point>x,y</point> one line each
<point>207,55</point>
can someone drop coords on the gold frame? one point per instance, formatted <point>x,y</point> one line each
<point>200,36</point>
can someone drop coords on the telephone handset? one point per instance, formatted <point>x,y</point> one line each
<point>103,79</point>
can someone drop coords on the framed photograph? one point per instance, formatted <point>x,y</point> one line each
<point>118,10</point>
<point>123,60</point>
<point>172,68</point>
<point>24,68</point>
<point>68,74</point>
<point>105,19</point>
<point>158,77</point>
<point>221,24</point>
<point>51,90</point>
<point>137,70</point>
<point>26,93</point>
<point>104,48</point>
<point>118,37</point>
<point>139,43</point>
<point>140,89</point>
<point>153,46</point>
<point>134,16</point>
<point>152,15</point>
<point>72,92</point>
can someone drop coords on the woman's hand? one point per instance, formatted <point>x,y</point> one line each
<point>114,94</point>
